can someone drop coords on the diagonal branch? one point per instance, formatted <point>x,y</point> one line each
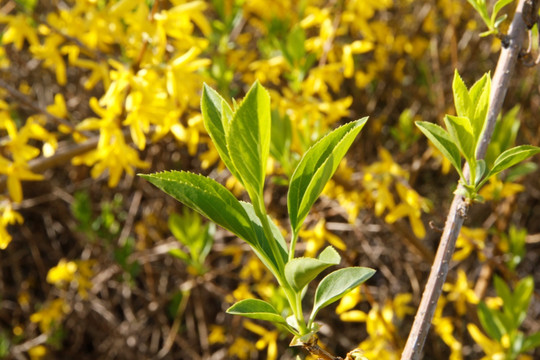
<point>458,209</point>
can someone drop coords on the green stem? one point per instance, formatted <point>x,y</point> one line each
<point>292,245</point>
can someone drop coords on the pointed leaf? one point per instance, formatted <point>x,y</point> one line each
<point>490,321</point>
<point>511,157</point>
<point>480,170</point>
<point>531,342</point>
<point>317,167</point>
<point>216,115</point>
<point>503,291</point>
<point>479,96</point>
<point>300,271</point>
<point>330,255</point>
<point>443,142</point>
<point>498,6</point>
<point>335,285</point>
<point>461,131</point>
<point>248,139</point>
<point>462,101</point>
<point>207,197</point>
<point>260,310</point>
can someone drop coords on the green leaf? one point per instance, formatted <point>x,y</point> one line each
<point>497,7</point>
<point>461,131</point>
<point>531,342</point>
<point>479,95</point>
<point>480,170</point>
<point>207,197</point>
<point>216,115</point>
<point>443,142</point>
<point>300,271</point>
<point>511,157</point>
<point>260,310</point>
<point>490,321</point>
<point>317,167</point>
<point>521,299</point>
<point>462,102</point>
<point>503,291</point>
<point>266,255</point>
<point>338,283</point>
<point>248,139</point>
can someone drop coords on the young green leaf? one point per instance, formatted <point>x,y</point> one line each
<point>479,95</point>
<point>317,167</point>
<point>511,157</point>
<point>338,283</point>
<point>491,322</point>
<point>216,115</point>
<point>521,299</point>
<point>248,139</point>
<point>531,342</point>
<point>207,197</point>
<point>496,8</point>
<point>503,291</point>
<point>300,271</point>
<point>260,310</point>
<point>462,102</point>
<point>461,131</point>
<point>443,142</point>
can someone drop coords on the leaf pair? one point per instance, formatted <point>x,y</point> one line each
<point>242,137</point>
<point>331,288</point>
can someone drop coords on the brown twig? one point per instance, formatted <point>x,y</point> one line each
<point>27,102</point>
<point>458,209</point>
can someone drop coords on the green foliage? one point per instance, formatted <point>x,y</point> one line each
<point>515,241</point>
<point>189,230</point>
<point>503,325</point>
<point>405,133</point>
<point>463,135</point>
<point>493,22</point>
<point>300,271</point>
<point>243,139</point>
<point>317,167</point>
<point>335,285</point>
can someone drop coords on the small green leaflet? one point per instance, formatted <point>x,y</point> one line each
<point>511,157</point>
<point>317,167</point>
<point>260,310</point>
<point>335,285</point>
<point>300,271</point>
<point>443,142</point>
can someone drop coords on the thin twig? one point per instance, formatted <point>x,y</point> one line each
<point>458,209</point>
<point>26,101</point>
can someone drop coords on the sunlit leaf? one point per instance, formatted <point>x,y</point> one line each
<point>317,167</point>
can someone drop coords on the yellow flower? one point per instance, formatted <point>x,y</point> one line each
<point>37,352</point>
<point>461,293</point>
<point>8,216</point>
<point>469,240</point>
<point>493,349</point>
<point>316,237</point>
<point>268,339</point>
<point>17,30</point>
<point>241,348</point>
<point>77,272</point>
<point>217,335</point>
<point>51,315</point>
<point>411,206</point>
<point>497,190</point>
